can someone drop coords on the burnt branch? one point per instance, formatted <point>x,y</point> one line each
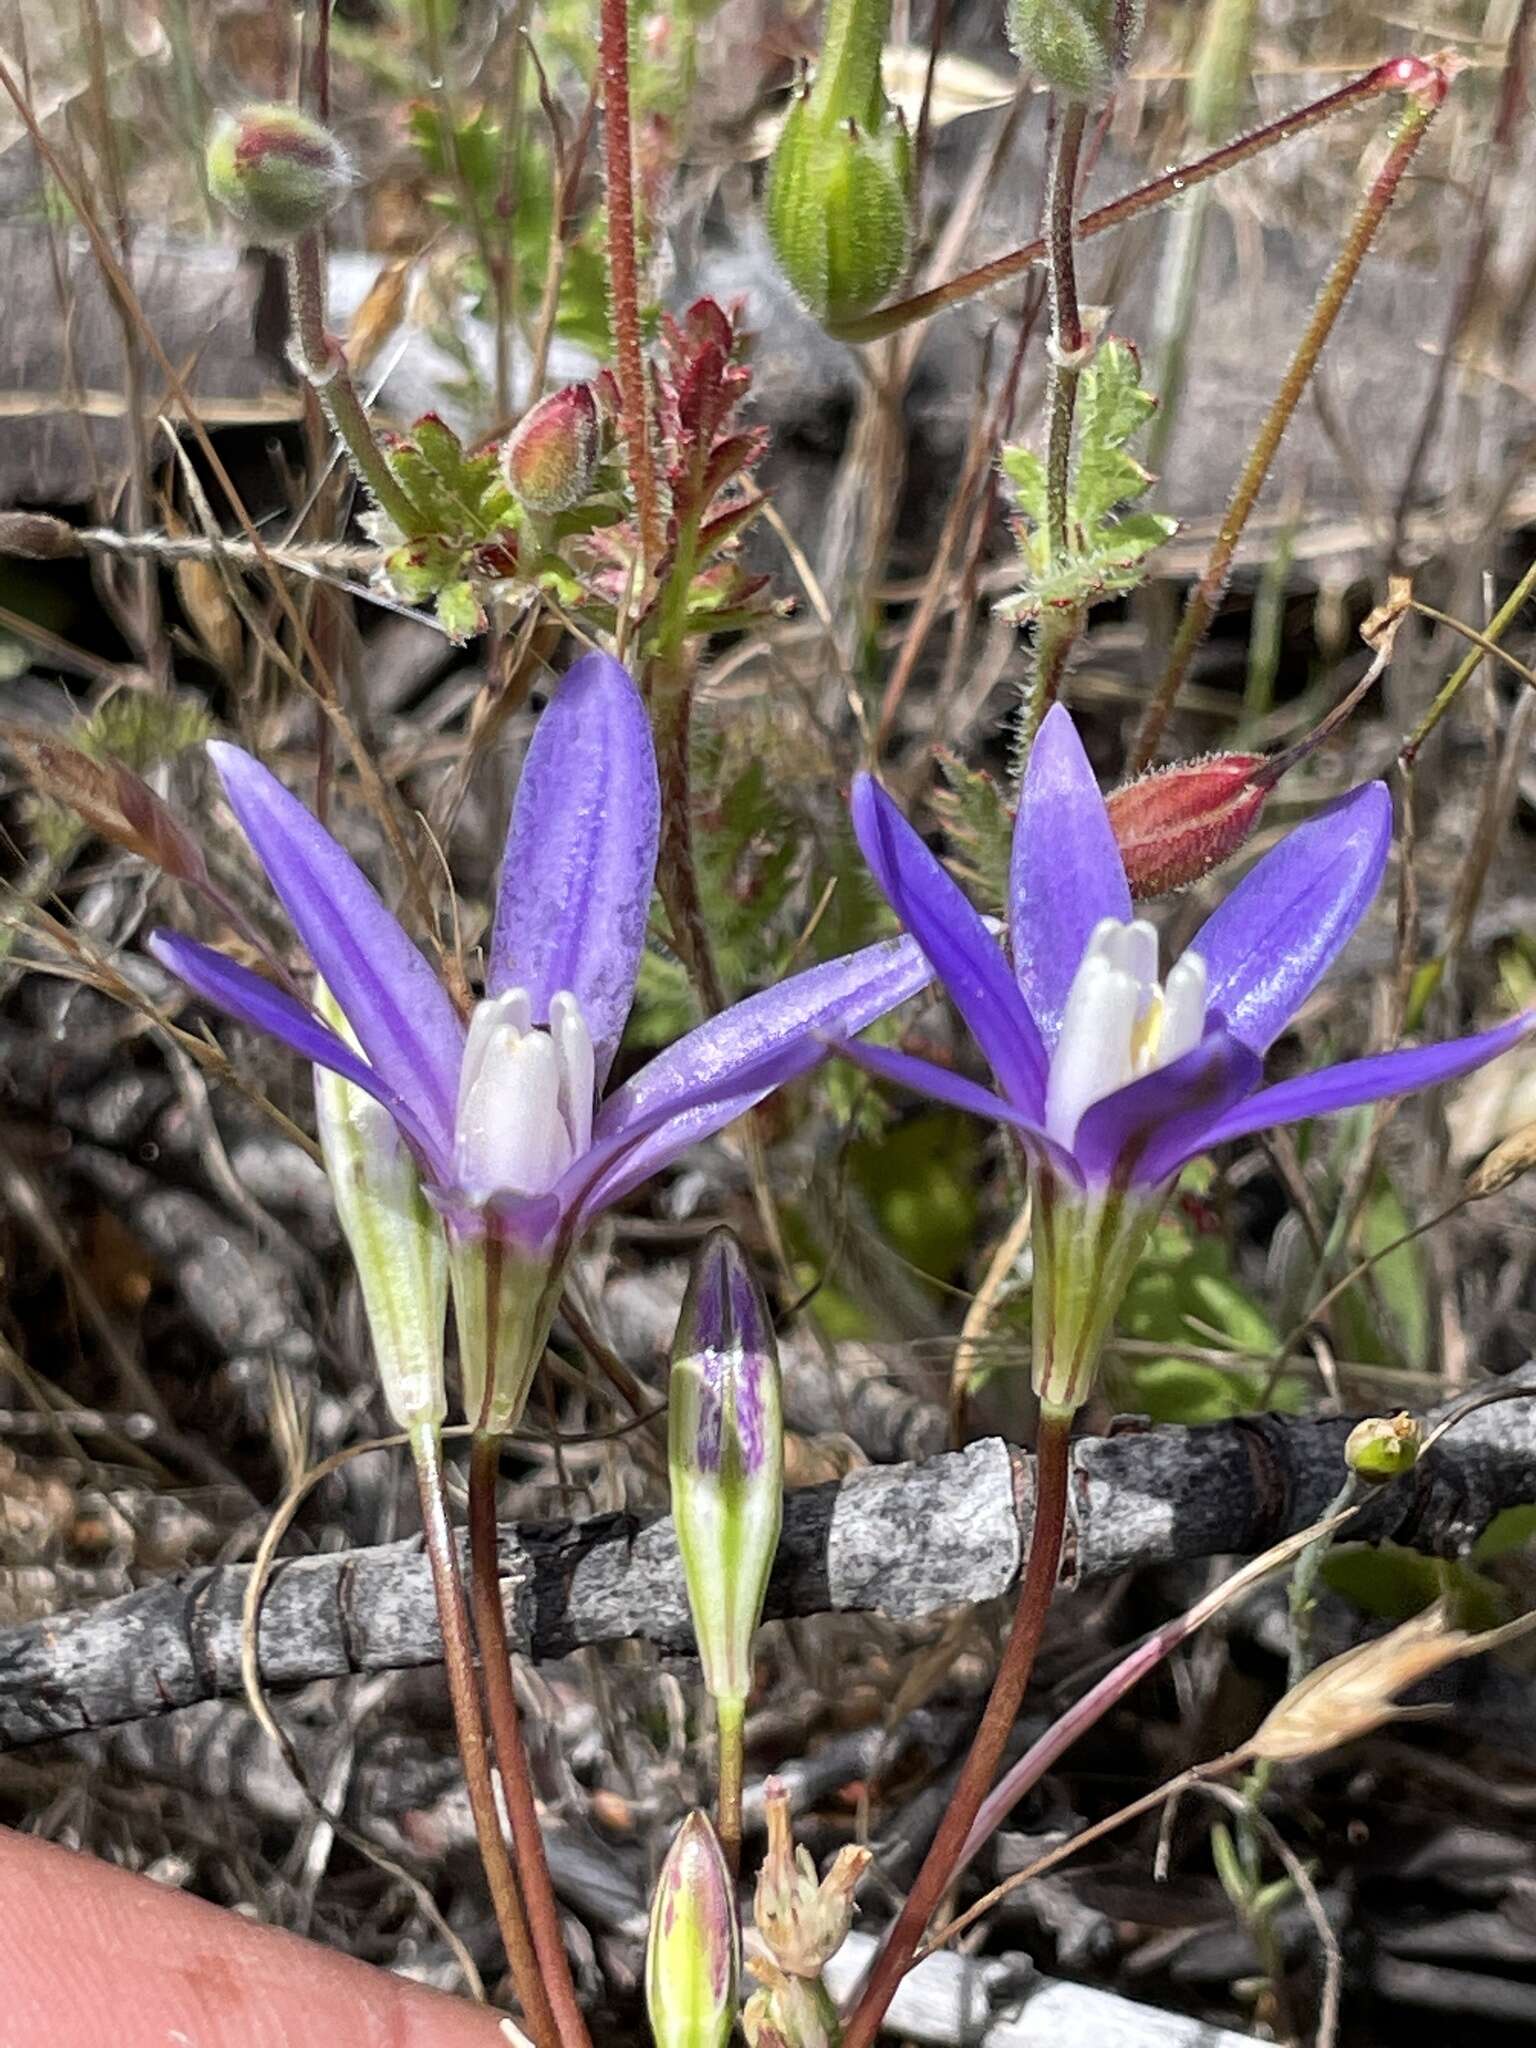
<point>901,1540</point>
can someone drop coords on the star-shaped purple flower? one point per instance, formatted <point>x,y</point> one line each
<point>506,1115</point>
<point>1114,1074</point>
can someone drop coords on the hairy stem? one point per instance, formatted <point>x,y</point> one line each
<point>1400,74</point>
<point>1424,100</point>
<point>1065,346</point>
<point>511,1751</point>
<point>469,1727</point>
<point>325,366</point>
<point>623,279</point>
<point>1052,1462</point>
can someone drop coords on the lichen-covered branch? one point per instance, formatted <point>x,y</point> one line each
<point>903,1540</point>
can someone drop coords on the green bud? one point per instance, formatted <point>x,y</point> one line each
<point>838,207</point>
<point>1076,47</point>
<point>278,172</point>
<point>693,1954</point>
<point>1384,1447</point>
<point>726,1458</point>
<point>395,1237</point>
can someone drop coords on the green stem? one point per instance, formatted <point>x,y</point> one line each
<point>1400,74</point>
<point>1052,1466</point>
<point>847,81</point>
<point>469,1727</point>
<point>1492,634</point>
<point>730,1722</point>
<point>325,366</point>
<point>1423,102</point>
<point>1303,1589</point>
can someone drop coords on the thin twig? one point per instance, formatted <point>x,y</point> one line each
<point>1426,91</point>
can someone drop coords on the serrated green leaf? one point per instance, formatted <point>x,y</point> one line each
<point>1026,472</point>
<point>1106,553</point>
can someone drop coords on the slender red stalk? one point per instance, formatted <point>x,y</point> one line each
<point>1427,88</point>
<point>1052,1465</point>
<point>464,1694</point>
<point>1399,75</point>
<point>623,279</point>
<point>511,1752</point>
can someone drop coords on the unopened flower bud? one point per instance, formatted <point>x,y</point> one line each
<point>1076,47</point>
<point>278,172</point>
<point>1383,1447</point>
<point>838,207</point>
<point>551,455</point>
<point>1176,824</point>
<point>726,1458</point>
<point>395,1237</point>
<point>802,1923</point>
<point>693,1954</point>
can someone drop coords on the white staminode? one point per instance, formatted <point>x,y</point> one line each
<point>1120,1021</point>
<point>525,1096</point>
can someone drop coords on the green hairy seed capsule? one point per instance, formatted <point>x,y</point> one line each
<point>693,1954</point>
<point>395,1237</point>
<point>838,207</point>
<point>726,1458</point>
<point>1074,46</point>
<point>838,211</point>
<point>279,173</point>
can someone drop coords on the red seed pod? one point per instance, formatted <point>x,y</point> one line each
<point>1176,824</point>
<point>551,455</point>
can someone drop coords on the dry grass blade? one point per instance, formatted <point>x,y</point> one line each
<point>250,1673</point>
<point>112,800</point>
<point>1355,1693</point>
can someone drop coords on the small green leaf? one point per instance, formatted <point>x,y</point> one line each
<point>459,611</point>
<point>1107,547</point>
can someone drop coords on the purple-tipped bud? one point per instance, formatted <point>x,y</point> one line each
<point>802,1923</point>
<point>551,455</point>
<point>693,1955</point>
<point>726,1456</point>
<point>279,173</point>
<point>1177,824</point>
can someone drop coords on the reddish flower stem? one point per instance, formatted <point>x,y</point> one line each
<point>511,1752</point>
<point>1398,75</point>
<point>464,1693</point>
<point>623,279</point>
<point>1427,86</point>
<point>944,1858</point>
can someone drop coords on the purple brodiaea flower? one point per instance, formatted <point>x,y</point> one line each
<point>516,1146</point>
<point>1113,1076</point>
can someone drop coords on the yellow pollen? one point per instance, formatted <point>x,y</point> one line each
<point>1147,1034</point>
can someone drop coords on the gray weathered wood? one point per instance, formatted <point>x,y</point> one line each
<point>903,1540</point>
<point>953,2001</point>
